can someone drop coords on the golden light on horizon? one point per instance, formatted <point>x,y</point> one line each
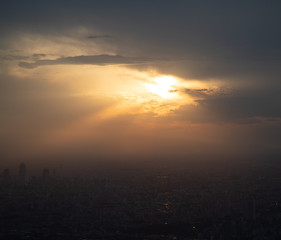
<point>163,86</point>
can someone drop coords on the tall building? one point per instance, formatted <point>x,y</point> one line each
<point>6,175</point>
<point>22,170</point>
<point>23,177</point>
<point>46,174</point>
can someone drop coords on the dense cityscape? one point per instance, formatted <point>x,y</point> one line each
<point>135,202</point>
<point>140,120</point>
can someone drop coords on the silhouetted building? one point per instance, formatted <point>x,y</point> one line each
<point>22,170</point>
<point>6,175</point>
<point>23,176</point>
<point>46,174</point>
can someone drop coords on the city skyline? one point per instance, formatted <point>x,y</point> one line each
<point>145,120</point>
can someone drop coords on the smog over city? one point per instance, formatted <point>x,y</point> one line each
<point>140,119</point>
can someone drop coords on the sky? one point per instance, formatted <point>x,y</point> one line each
<point>113,80</point>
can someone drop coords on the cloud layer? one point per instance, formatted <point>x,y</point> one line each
<point>233,49</point>
<point>92,60</point>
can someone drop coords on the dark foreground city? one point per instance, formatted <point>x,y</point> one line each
<point>146,120</point>
<point>240,201</point>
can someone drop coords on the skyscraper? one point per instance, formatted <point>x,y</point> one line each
<point>46,174</point>
<point>6,175</point>
<point>23,177</point>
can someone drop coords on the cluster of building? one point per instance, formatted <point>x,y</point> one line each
<point>141,204</point>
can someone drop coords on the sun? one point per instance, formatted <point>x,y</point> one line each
<point>163,86</point>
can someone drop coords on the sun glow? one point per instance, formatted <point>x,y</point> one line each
<point>163,86</point>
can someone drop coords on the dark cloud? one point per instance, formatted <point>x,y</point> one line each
<point>208,92</point>
<point>15,57</point>
<point>236,107</point>
<point>233,41</point>
<point>93,60</point>
<point>36,56</point>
